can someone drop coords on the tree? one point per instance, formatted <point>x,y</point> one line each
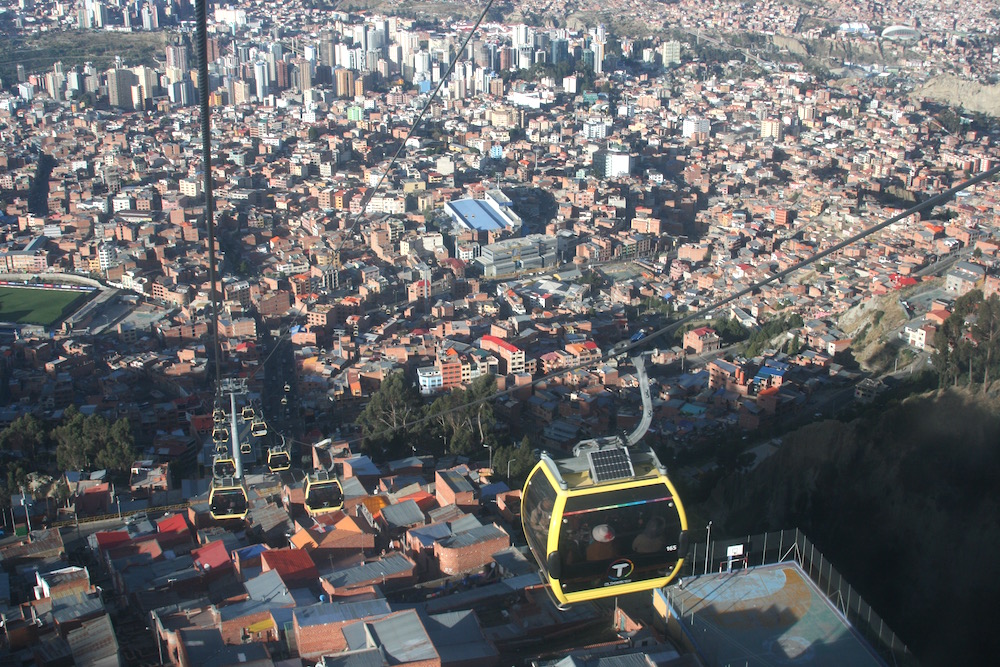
<point>384,420</point>
<point>83,443</point>
<point>517,459</point>
<point>119,451</point>
<point>466,425</point>
<point>25,435</point>
<point>729,329</point>
<point>795,345</point>
<point>74,450</point>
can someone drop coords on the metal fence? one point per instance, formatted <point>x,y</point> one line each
<point>793,545</point>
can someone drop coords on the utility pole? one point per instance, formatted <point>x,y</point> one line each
<point>708,545</point>
<point>27,514</point>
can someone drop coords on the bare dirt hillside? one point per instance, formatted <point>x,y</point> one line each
<point>962,92</point>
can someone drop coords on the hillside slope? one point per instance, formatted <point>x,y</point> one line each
<point>904,502</point>
<point>962,92</point>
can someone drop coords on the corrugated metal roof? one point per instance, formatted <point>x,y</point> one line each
<point>64,575</point>
<point>446,513</point>
<point>370,572</point>
<point>474,536</point>
<point>457,637</point>
<point>428,535</point>
<point>403,638</point>
<point>362,465</point>
<point>357,638</point>
<point>324,614</point>
<point>267,586</point>
<point>616,660</point>
<point>455,481</point>
<point>467,522</point>
<point>401,515</point>
<point>93,641</point>
<point>353,488</point>
<point>512,562</point>
<point>77,608</point>
<point>369,657</point>
<point>408,462</point>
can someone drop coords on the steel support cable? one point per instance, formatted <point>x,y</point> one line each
<point>206,153</point>
<point>624,347</point>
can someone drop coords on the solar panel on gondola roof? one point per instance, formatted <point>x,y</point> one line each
<point>610,464</point>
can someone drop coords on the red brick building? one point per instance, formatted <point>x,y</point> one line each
<point>471,550</point>
<point>702,339</point>
<point>453,488</point>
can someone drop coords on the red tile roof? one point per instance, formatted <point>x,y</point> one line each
<point>107,539</point>
<point>211,556</point>
<point>173,524</point>
<point>500,343</point>
<point>293,566</point>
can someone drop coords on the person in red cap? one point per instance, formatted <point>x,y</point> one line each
<point>604,546</point>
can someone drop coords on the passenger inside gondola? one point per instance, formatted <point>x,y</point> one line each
<point>652,539</point>
<point>603,545</point>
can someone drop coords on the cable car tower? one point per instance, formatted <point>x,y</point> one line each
<point>606,521</point>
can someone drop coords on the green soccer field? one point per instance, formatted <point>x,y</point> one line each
<point>25,305</point>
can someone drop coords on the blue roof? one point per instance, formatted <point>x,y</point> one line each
<point>251,551</point>
<point>478,214</point>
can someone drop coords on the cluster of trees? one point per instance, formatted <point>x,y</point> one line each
<point>731,331</point>
<point>396,422</point>
<point>79,442</point>
<point>763,338</point>
<point>968,343</point>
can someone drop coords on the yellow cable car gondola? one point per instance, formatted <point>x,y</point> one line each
<point>606,521</point>
<point>258,428</point>
<point>247,414</point>
<point>278,459</point>
<point>228,499</point>
<point>223,465</point>
<point>219,416</point>
<point>323,493</point>
<point>245,448</point>
<point>596,534</point>
<point>220,434</point>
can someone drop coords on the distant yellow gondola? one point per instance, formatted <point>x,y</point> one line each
<point>278,459</point>
<point>223,465</point>
<point>228,499</point>
<point>323,493</point>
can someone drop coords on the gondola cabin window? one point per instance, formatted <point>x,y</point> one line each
<point>618,537</point>
<point>536,514</point>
